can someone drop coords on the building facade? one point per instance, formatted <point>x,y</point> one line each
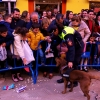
<point>61,5</point>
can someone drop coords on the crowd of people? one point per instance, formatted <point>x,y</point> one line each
<point>73,29</point>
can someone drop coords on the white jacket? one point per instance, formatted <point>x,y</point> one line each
<point>18,50</point>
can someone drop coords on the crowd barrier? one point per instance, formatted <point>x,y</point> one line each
<point>15,66</point>
<point>34,72</point>
<point>92,54</point>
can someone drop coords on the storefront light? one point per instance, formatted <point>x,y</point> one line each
<point>10,0</point>
<point>43,0</point>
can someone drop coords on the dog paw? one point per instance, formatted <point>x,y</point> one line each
<point>63,92</point>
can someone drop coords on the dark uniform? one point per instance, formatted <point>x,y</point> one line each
<point>75,46</point>
<point>74,43</point>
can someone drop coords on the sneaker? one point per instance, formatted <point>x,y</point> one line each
<point>14,78</point>
<point>19,77</point>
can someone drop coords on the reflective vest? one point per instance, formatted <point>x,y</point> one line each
<point>65,31</point>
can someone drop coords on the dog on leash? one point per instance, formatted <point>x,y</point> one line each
<point>75,75</point>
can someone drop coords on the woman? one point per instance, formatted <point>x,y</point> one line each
<point>83,29</point>
<point>69,16</point>
<point>17,50</point>
<point>25,16</point>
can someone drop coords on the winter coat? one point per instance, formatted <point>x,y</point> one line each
<point>83,30</point>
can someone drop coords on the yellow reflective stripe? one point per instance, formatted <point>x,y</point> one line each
<point>69,30</point>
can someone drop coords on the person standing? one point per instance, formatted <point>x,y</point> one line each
<point>16,21</point>
<point>75,47</point>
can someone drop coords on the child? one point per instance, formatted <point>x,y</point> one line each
<point>18,54</point>
<point>5,40</point>
<point>34,37</point>
<point>6,22</point>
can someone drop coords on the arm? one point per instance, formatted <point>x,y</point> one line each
<point>10,39</point>
<point>87,34</point>
<point>18,47</point>
<point>71,47</point>
<point>29,37</point>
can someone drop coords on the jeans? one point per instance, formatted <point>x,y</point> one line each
<point>41,55</point>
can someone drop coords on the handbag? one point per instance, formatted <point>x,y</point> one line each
<point>3,53</point>
<point>27,52</point>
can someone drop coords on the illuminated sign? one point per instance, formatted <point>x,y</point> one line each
<point>10,0</point>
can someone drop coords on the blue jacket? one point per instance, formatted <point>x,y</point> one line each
<point>8,26</point>
<point>8,40</point>
<point>53,23</point>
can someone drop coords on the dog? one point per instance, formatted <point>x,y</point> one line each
<point>75,75</point>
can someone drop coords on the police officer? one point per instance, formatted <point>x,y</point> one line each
<point>75,46</point>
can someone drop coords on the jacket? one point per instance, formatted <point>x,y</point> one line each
<point>83,30</point>
<point>34,39</point>
<point>17,23</point>
<point>73,41</point>
<point>8,40</point>
<point>17,46</point>
<point>8,26</point>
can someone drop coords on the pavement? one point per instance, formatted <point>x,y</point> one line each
<point>46,89</point>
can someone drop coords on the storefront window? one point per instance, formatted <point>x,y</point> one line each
<point>95,6</point>
<point>4,7</point>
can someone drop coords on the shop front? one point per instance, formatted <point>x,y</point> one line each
<point>6,6</point>
<point>94,4</point>
<point>47,5</point>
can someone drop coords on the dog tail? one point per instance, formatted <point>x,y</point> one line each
<point>94,77</point>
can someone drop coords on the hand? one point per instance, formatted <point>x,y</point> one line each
<point>49,40</point>
<point>4,44</point>
<point>24,61</point>
<point>70,64</point>
<point>90,42</point>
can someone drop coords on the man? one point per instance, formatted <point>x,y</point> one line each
<point>59,22</point>
<point>16,21</point>
<point>75,47</point>
<point>34,19</point>
<point>90,21</point>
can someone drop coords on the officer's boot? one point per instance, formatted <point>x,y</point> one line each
<point>60,80</point>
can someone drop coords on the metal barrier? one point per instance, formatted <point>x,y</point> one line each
<point>39,65</point>
<point>95,63</point>
<point>86,54</point>
<point>7,67</point>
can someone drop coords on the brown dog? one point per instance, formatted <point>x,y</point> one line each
<point>75,75</point>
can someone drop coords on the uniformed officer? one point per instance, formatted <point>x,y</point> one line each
<point>75,46</point>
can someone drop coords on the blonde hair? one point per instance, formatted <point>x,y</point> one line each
<point>45,21</point>
<point>76,18</point>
